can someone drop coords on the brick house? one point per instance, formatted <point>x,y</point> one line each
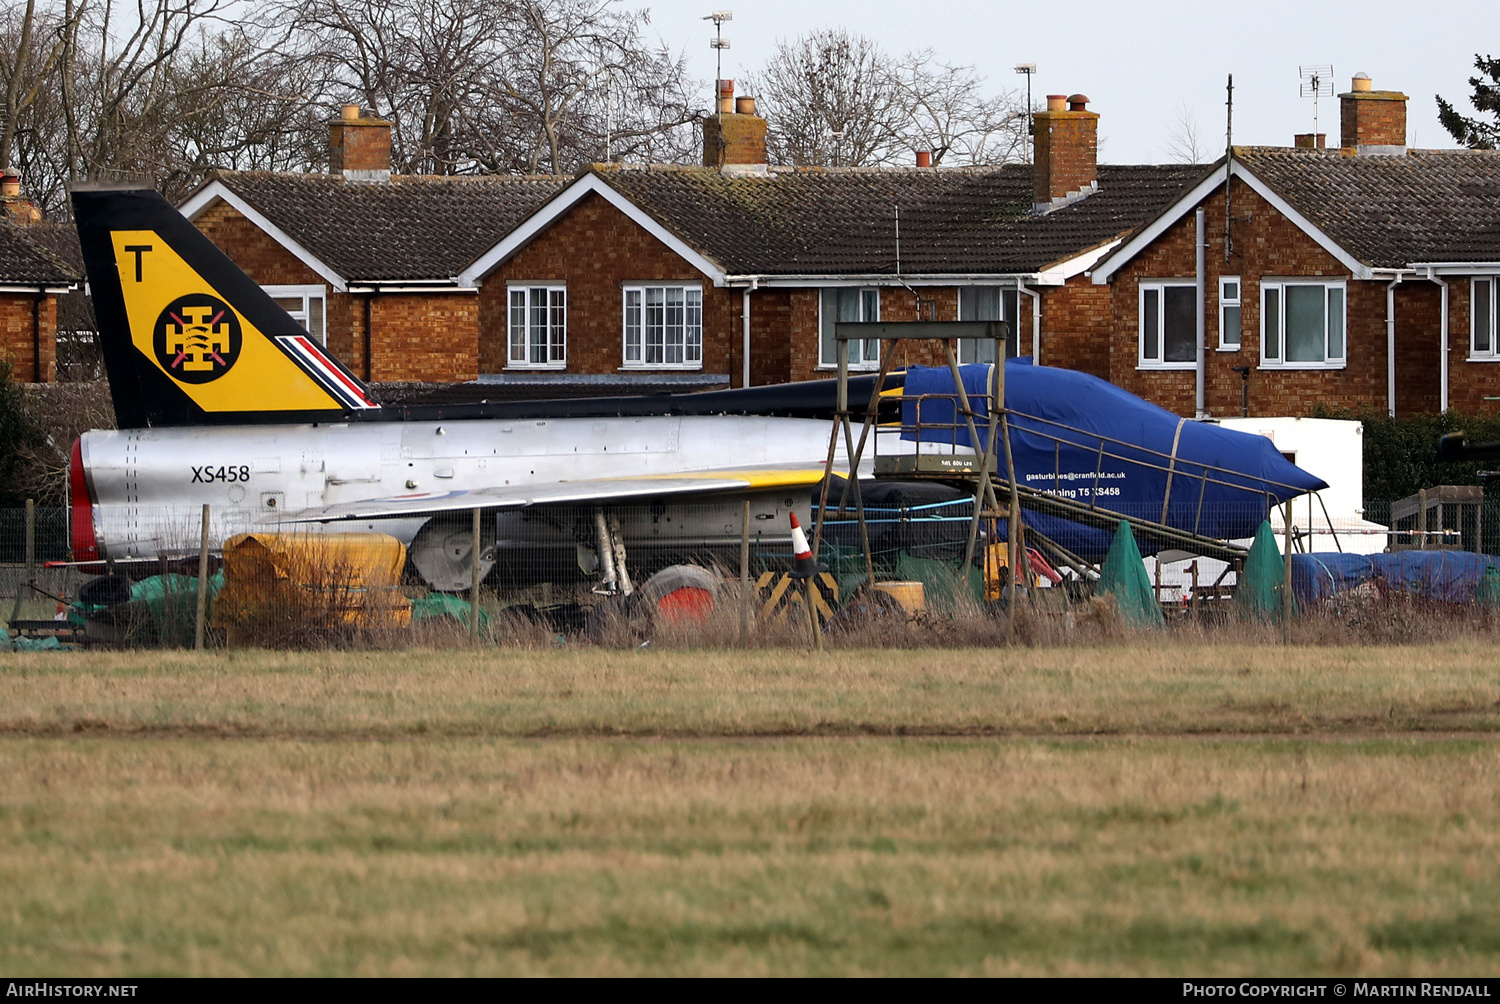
<point>1358,277</point>
<point>34,273</point>
<point>734,272</point>
<point>368,261</point>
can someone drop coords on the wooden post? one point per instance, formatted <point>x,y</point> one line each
<point>1193,601</point>
<point>15,610</point>
<point>202,608</point>
<point>1422,503</point>
<point>1286,579</point>
<point>745,574</point>
<point>809,590</point>
<point>474,583</point>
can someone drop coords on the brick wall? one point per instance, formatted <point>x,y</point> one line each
<point>431,334</point>
<point>431,337</point>
<point>1266,244</point>
<point>21,320</point>
<point>743,138</point>
<point>1372,118</point>
<point>1076,322</point>
<point>595,249</point>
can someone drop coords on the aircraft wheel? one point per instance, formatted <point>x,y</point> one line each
<point>442,553</point>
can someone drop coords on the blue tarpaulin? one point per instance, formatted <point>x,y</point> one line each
<point>1222,481</point>
<point>1444,576</point>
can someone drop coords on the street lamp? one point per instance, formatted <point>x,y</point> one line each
<point>1029,69</point>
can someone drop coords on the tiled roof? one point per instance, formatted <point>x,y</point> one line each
<point>27,257</point>
<point>843,222</point>
<point>412,228</point>
<point>1426,206</point>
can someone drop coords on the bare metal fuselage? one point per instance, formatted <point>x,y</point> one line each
<point>149,485</point>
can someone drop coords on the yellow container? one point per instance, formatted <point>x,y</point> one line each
<point>911,595</point>
<point>279,584</point>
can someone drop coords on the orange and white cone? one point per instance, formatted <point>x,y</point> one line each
<point>804,567</point>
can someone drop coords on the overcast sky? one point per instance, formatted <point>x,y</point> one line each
<point>1141,64</point>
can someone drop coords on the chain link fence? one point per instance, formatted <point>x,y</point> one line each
<point>705,574</point>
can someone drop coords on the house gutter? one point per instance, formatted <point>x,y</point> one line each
<point>1442,342</point>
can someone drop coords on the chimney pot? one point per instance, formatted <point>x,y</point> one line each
<point>1057,102</point>
<point>1078,103</point>
<point>1361,82</point>
<point>10,184</point>
<point>350,113</point>
<point>924,158</point>
<point>744,106</point>
<point>726,97</point>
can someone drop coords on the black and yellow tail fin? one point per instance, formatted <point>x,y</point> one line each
<point>187,337</point>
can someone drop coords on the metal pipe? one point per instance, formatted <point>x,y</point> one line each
<point>1200,363</point>
<point>745,334</point>
<point>1390,345</point>
<point>1443,342</point>
<point>474,580</point>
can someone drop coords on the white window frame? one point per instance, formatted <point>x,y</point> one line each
<point>1277,288</point>
<point>635,324</point>
<point>1159,287</point>
<point>307,314</point>
<point>857,350</point>
<point>1236,302</point>
<point>1010,297</point>
<point>1491,285</point>
<point>519,350</point>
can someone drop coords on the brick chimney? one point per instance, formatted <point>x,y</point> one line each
<point>359,148</point>
<point>734,138</point>
<point>1066,168</point>
<point>1372,123</point>
<point>15,207</point>
<point>1310,141</point>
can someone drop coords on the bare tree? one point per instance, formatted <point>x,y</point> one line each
<point>948,113</point>
<point>835,98</point>
<point>831,98</point>
<point>1185,145</point>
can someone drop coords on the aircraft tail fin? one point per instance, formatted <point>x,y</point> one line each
<point>187,337</point>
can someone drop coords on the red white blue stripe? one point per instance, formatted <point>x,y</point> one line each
<point>326,370</point>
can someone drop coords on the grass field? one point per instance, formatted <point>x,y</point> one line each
<point>1115,810</point>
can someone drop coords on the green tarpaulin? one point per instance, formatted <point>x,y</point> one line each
<point>1124,577</point>
<point>1257,595</point>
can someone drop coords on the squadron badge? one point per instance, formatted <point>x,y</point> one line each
<point>197,338</point>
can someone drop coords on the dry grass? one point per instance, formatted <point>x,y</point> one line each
<point>356,813</point>
<point>1125,688</point>
<point>787,857</point>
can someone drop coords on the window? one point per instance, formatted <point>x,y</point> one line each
<point>664,327</point>
<point>538,326</point>
<point>1229,312</point>
<point>848,303</point>
<point>988,303</point>
<point>1301,324</point>
<point>1484,338</point>
<point>1169,326</point>
<point>306,305</point>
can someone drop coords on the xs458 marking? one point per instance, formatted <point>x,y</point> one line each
<point>228,474</point>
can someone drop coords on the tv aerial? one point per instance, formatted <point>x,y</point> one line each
<point>1317,82</point>
<point>719,43</point>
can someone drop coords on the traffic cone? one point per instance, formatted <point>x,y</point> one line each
<point>804,567</point>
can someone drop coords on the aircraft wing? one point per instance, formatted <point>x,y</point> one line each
<point>614,490</point>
